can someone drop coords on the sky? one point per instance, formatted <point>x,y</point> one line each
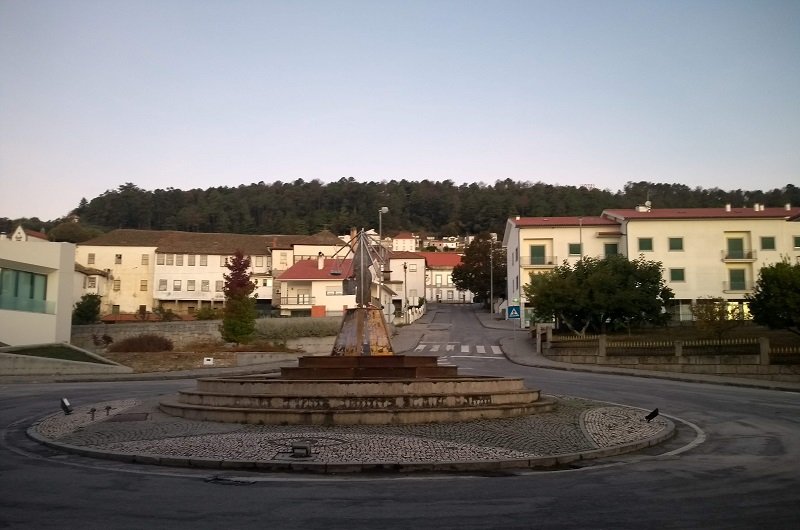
<point>202,93</point>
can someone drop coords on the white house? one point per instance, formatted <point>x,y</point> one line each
<point>36,290</point>
<point>439,286</point>
<point>406,279</point>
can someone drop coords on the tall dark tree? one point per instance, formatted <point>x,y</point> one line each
<point>239,317</point>
<point>482,269</point>
<point>775,301</point>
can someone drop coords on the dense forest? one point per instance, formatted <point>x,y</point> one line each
<point>436,208</point>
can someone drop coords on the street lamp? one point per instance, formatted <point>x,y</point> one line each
<point>382,210</point>
<point>491,277</point>
<point>405,292</point>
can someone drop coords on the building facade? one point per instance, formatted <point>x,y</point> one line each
<point>706,252</point>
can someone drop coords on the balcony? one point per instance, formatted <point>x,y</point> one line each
<point>737,287</point>
<point>739,255</point>
<point>300,300</point>
<point>538,261</point>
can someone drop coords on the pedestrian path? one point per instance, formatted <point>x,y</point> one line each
<point>457,347</point>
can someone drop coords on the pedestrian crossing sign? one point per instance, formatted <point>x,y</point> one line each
<point>513,311</point>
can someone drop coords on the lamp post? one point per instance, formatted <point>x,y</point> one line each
<point>405,292</point>
<point>491,277</point>
<point>382,210</point>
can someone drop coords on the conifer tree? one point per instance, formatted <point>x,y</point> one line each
<point>239,316</point>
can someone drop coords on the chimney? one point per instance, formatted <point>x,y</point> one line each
<point>787,206</point>
<point>320,261</point>
<point>757,207</point>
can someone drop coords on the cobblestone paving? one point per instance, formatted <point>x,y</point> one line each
<point>131,427</point>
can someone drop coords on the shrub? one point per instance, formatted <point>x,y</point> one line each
<point>282,329</point>
<point>208,313</point>
<point>86,310</point>
<point>142,343</point>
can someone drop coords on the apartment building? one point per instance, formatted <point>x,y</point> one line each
<point>439,285</point>
<point>705,251</point>
<point>406,277</point>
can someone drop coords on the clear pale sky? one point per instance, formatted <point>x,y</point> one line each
<point>201,93</point>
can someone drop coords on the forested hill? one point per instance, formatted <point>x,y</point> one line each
<point>442,208</point>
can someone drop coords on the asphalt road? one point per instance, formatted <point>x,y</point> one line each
<point>735,464</point>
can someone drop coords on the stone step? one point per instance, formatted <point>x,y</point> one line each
<point>349,417</point>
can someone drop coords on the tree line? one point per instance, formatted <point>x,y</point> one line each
<point>429,207</point>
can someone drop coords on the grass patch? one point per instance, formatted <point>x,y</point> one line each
<point>64,353</point>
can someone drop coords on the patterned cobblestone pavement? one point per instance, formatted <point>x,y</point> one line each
<point>128,427</point>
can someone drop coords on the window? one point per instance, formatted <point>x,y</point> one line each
<point>143,285</point>
<point>176,285</point>
<point>23,290</point>
<point>218,285</point>
<point>412,296</point>
<point>438,279</point>
<point>796,241</point>
<point>259,261</point>
<point>675,243</point>
<point>266,282</point>
<point>222,260</point>
<point>159,258</point>
<point>190,285</point>
<point>645,244</point>
<point>203,260</point>
<point>170,259</point>
<point>767,243</point>
<point>449,295</point>
<point>90,258</point>
<point>333,290</point>
<point>677,275</point>
<point>117,285</point>
<point>145,259</point>
<point>204,286</point>
<point>91,282</point>
<point>537,255</point>
<point>412,267</point>
<point>192,259</point>
<point>118,259</point>
<point>611,249</point>
<point>736,277</point>
<point>575,249</point>
<point>162,285</point>
<point>179,260</point>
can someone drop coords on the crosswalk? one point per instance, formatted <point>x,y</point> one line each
<point>451,348</point>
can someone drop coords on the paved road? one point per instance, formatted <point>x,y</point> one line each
<point>744,474</point>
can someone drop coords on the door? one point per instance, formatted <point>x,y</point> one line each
<point>537,255</point>
<point>735,248</point>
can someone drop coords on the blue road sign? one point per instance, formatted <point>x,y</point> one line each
<point>513,311</point>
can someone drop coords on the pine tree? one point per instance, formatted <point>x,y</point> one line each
<point>239,316</point>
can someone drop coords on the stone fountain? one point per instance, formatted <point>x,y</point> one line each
<point>362,381</point>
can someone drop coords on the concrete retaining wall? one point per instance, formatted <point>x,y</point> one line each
<point>22,365</point>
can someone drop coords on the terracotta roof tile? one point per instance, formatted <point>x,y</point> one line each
<point>705,213</point>
<point>308,269</point>
<point>441,259</point>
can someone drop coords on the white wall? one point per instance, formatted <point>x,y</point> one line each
<point>57,262</point>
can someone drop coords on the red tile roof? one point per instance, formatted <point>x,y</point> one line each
<point>308,269</point>
<point>563,221</point>
<point>403,254</point>
<point>441,259</point>
<point>704,213</point>
<point>404,235</point>
<point>34,233</point>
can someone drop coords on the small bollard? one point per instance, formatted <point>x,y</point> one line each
<point>92,411</point>
<point>108,409</point>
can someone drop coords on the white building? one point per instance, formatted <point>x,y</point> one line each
<point>439,286</point>
<point>705,251</point>
<point>406,279</point>
<point>36,289</point>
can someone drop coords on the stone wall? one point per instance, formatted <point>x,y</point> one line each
<point>752,360</point>
<point>182,334</point>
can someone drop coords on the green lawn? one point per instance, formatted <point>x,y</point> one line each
<point>58,352</point>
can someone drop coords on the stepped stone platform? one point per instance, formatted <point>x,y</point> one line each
<point>363,390</point>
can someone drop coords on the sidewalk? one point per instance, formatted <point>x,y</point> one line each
<point>520,350</point>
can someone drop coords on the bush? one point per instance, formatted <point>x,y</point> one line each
<point>208,313</point>
<point>282,329</point>
<point>142,343</point>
